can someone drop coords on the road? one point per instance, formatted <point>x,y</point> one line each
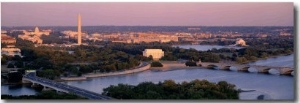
<point>71,89</point>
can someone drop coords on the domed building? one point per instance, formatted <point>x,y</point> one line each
<point>240,42</point>
<point>37,31</point>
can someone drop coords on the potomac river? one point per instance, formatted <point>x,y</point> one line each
<point>271,86</point>
<point>205,47</point>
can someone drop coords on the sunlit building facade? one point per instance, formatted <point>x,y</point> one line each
<point>156,53</point>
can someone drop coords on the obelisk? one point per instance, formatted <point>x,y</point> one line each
<point>79,29</point>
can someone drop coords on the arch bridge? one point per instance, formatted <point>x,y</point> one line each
<point>225,65</point>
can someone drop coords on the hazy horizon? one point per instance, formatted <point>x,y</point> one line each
<point>148,14</point>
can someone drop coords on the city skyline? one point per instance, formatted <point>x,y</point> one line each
<point>148,14</point>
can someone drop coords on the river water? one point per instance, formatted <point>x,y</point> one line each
<point>17,90</point>
<point>272,86</point>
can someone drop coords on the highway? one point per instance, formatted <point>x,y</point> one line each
<point>70,89</point>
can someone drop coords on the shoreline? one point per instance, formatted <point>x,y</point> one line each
<point>172,65</point>
<point>167,66</point>
<point>142,67</point>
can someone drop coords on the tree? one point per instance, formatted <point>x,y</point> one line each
<point>74,70</point>
<point>15,77</point>
<point>85,69</point>
<point>41,62</point>
<point>156,64</point>
<point>47,73</point>
<point>169,89</point>
<point>21,71</point>
<point>79,74</point>
<point>24,44</point>
<point>169,85</point>
<point>19,64</point>
<point>10,65</point>
<point>234,55</point>
<point>150,57</point>
<point>253,58</point>
<point>52,38</point>
<point>190,63</point>
<point>3,60</point>
<point>17,58</point>
<point>241,60</point>
<point>3,45</point>
<point>263,55</point>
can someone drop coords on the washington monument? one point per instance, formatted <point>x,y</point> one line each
<point>79,29</point>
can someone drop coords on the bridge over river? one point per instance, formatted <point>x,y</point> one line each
<point>225,65</point>
<point>60,87</point>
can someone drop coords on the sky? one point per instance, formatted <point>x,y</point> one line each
<point>148,14</point>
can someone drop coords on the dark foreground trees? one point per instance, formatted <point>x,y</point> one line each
<point>44,95</point>
<point>196,89</point>
<point>190,63</point>
<point>156,64</point>
<point>15,77</point>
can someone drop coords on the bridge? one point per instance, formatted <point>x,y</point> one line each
<point>60,87</point>
<point>225,65</point>
<point>281,70</point>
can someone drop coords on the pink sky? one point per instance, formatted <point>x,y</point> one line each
<point>148,14</point>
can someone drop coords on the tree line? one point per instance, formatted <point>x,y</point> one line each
<point>196,89</point>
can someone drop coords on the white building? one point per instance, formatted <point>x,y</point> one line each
<point>156,53</point>
<point>37,32</point>
<point>34,36</point>
<point>3,31</point>
<point>284,34</point>
<point>11,51</point>
<point>74,34</point>
<point>240,42</point>
<point>7,39</point>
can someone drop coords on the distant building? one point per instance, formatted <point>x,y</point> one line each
<point>284,34</point>
<point>37,32</point>
<point>151,37</point>
<point>195,29</point>
<point>35,35</point>
<point>7,39</point>
<point>203,35</point>
<point>240,42</point>
<point>74,34</point>
<point>156,53</point>
<point>11,51</point>
<point>34,39</point>
<point>3,31</point>
<point>262,35</point>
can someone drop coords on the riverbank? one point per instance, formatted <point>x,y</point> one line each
<point>172,65</point>
<point>140,68</point>
<point>167,66</point>
<point>72,78</point>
